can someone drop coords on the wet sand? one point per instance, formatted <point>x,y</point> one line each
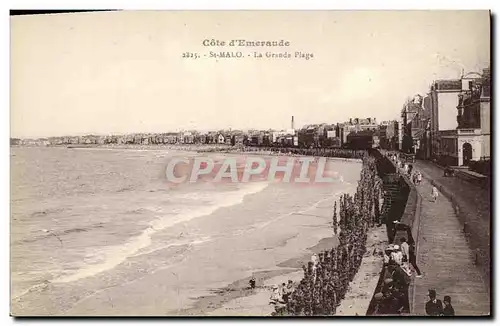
<point>238,300</point>
<point>192,263</point>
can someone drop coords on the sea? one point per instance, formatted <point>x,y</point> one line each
<point>100,232</point>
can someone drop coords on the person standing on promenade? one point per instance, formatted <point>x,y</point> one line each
<point>448,308</point>
<point>397,256</point>
<point>405,249</point>
<point>412,257</point>
<point>419,177</point>
<point>433,307</point>
<point>413,260</point>
<point>435,193</point>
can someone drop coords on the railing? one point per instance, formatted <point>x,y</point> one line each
<point>469,131</point>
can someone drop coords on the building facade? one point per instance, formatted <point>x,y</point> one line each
<point>473,118</point>
<point>459,128</point>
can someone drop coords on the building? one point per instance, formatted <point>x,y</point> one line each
<point>368,124</point>
<point>415,120</point>
<point>358,124</point>
<point>340,133</point>
<point>461,135</point>
<point>485,100</point>
<point>187,137</point>
<point>331,139</point>
<point>363,139</point>
<point>388,134</point>
<point>220,139</point>
<point>473,131</point>
<point>171,138</point>
<point>444,100</point>
<point>276,136</point>
<point>308,136</point>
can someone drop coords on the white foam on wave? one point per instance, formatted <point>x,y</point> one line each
<point>264,224</point>
<point>115,255</point>
<point>174,244</point>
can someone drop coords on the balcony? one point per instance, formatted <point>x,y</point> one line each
<point>469,131</point>
<point>468,107</point>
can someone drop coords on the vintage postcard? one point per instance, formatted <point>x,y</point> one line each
<point>250,163</point>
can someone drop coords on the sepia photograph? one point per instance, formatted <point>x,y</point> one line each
<point>250,163</point>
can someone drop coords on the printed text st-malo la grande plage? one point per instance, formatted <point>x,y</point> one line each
<point>251,49</point>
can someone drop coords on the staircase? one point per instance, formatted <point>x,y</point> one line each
<point>392,192</point>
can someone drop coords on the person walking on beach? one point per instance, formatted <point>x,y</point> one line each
<point>275,296</point>
<point>287,290</point>
<point>448,308</point>
<point>252,282</point>
<point>435,193</point>
<point>282,290</point>
<point>315,261</point>
<point>433,307</point>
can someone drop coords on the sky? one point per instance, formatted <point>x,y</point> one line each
<point>123,72</point>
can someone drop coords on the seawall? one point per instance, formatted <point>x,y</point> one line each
<point>404,208</point>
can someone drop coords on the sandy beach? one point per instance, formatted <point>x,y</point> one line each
<point>234,301</point>
<point>78,250</point>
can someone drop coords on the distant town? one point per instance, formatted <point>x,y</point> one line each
<point>357,132</point>
<point>450,125</point>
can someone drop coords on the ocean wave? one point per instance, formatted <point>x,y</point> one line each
<point>115,255</point>
<point>264,224</point>
<point>125,189</point>
<point>51,233</point>
<point>173,244</point>
<point>46,212</point>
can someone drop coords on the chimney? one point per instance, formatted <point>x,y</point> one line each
<point>292,123</point>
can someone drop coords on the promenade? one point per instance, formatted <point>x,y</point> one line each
<point>470,195</point>
<point>472,204</point>
<point>444,255</point>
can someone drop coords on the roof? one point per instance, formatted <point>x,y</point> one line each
<point>361,133</point>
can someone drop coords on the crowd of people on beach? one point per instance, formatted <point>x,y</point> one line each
<point>328,275</point>
<point>281,293</point>
<point>289,151</point>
